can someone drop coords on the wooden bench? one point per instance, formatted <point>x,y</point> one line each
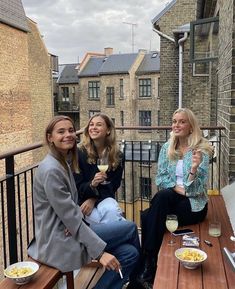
<point>215,272</point>
<point>47,277</point>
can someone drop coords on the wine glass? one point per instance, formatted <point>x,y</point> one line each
<point>172,225</point>
<point>103,165</point>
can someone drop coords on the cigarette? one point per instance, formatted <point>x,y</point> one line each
<point>120,273</point>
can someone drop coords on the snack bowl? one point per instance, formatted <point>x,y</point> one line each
<point>190,258</point>
<point>21,272</point>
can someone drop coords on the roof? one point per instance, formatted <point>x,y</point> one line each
<point>150,63</point>
<point>166,9</point>
<point>93,66</point>
<point>68,74</point>
<point>121,64</point>
<point>12,13</point>
<point>118,63</point>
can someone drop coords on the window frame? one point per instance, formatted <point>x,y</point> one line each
<point>110,96</point>
<point>145,89</point>
<point>193,24</point>
<point>142,117</point>
<point>145,187</point>
<point>65,93</point>
<point>93,89</point>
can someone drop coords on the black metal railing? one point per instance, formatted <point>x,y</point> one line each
<point>137,187</point>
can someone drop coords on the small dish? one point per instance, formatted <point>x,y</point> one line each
<point>190,258</point>
<point>21,272</point>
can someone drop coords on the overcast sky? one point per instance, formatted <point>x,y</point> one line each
<point>73,27</point>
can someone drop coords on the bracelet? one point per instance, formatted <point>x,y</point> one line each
<point>191,173</point>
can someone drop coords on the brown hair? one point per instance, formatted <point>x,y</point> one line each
<point>110,142</point>
<point>72,153</point>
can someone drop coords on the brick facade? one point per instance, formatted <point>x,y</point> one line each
<point>195,91</point>
<point>25,89</point>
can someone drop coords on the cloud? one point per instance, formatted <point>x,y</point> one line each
<point>73,27</point>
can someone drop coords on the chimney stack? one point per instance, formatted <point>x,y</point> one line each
<point>108,51</point>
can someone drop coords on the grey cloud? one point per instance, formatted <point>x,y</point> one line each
<point>73,27</point>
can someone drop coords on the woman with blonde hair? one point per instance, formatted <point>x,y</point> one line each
<point>182,175</point>
<point>97,189</point>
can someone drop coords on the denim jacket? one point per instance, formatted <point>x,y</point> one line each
<point>196,190</point>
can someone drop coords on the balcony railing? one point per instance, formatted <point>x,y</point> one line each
<point>138,185</point>
<point>66,106</point>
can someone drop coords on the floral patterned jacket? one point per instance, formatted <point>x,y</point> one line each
<point>196,190</point>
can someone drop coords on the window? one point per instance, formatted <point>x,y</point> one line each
<point>145,188</point>
<point>121,88</point>
<point>204,39</point>
<point>92,112</point>
<point>145,87</point>
<point>110,95</point>
<point>201,68</point>
<point>65,94</point>
<point>145,117</point>
<point>94,89</point>
<point>122,117</point>
<point>73,93</point>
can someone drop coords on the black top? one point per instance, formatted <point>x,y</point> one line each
<point>86,174</point>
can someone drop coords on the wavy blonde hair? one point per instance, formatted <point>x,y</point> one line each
<point>195,139</point>
<point>110,142</point>
<point>72,154</point>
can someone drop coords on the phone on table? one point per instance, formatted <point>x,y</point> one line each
<point>183,232</point>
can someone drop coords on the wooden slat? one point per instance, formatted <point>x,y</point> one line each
<point>168,266</point>
<point>88,276</point>
<point>45,278</point>
<point>8,284</point>
<point>193,275</point>
<point>227,231</point>
<point>213,270</point>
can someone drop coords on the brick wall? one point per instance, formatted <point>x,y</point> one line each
<point>25,90</point>
<point>195,89</point>
<point>226,85</point>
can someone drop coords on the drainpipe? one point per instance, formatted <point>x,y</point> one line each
<point>164,35</point>
<point>181,43</point>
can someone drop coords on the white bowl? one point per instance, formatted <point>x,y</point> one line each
<point>190,258</point>
<point>21,272</point>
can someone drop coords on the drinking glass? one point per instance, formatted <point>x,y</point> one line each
<point>103,165</point>
<point>172,225</point>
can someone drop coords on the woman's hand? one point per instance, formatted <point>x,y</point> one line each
<point>196,160</point>
<point>98,178</point>
<point>110,262</point>
<point>87,206</point>
<point>179,190</point>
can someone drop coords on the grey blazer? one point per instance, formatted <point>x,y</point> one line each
<point>55,209</point>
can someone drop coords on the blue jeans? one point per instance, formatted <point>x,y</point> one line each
<point>123,242</point>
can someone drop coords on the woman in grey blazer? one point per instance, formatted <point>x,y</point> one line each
<point>62,239</point>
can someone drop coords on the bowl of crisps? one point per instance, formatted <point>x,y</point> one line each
<point>190,258</point>
<point>21,272</point>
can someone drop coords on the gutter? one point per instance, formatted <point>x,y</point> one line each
<point>164,35</point>
<point>181,43</point>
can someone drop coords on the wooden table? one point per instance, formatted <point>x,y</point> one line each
<point>215,272</point>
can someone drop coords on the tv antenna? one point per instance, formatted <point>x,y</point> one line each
<point>133,25</point>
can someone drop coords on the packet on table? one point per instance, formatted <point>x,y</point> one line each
<point>190,241</point>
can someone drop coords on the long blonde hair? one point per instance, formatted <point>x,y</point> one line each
<point>110,142</point>
<point>54,151</point>
<point>195,139</point>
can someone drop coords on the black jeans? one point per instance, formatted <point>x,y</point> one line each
<point>153,219</point>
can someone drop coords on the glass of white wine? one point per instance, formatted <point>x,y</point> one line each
<point>172,225</point>
<point>103,165</point>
